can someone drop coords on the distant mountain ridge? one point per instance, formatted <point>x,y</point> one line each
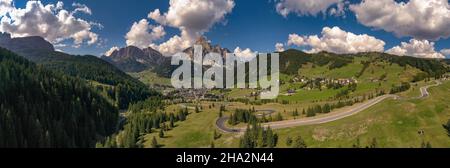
<point>89,68</point>
<point>134,59</point>
<point>26,46</point>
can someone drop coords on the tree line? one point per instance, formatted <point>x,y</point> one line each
<point>256,136</point>
<point>43,108</point>
<point>144,118</point>
<point>403,87</point>
<point>125,88</point>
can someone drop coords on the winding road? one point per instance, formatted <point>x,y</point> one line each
<point>333,116</point>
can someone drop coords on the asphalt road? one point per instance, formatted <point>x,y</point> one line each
<point>336,115</point>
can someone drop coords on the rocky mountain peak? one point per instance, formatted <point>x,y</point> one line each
<point>134,59</point>
<point>207,47</point>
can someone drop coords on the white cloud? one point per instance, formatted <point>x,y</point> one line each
<point>193,17</point>
<point>49,21</point>
<point>142,34</point>
<point>420,19</point>
<point>445,52</point>
<point>279,47</point>
<point>111,50</point>
<point>173,45</point>
<point>309,7</point>
<point>5,6</point>
<point>295,39</point>
<point>246,54</point>
<point>79,8</point>
<point>338,41</point>
<point>416,48</point>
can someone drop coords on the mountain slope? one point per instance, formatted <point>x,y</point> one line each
<point>41,108</point>
<point>291,61</point>
<point>133,59</point>
<point>124,89</point>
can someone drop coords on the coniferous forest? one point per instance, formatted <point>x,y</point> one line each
<point>48,109</point>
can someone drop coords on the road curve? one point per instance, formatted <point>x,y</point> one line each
<point>337,115</point>
<point>424,90</point>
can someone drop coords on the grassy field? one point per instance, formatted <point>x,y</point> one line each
<point>394,123</point>
<point>150,78</point>
<point>377,76</point>
<point>196,132</point>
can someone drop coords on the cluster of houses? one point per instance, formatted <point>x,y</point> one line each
<point>341,81</point>
<point>322,81</point>
<point>197,94</point>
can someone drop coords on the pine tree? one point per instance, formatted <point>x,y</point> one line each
<point>299,143</point>
<point>357,144</point>
<point>311,112</point>
<point>197,109</point>
<point>172,124</point>
<point>161,133</point>
<point>288,141</point>
<point>374,143</point>
<point>447,127</point>
<point>216,135</point>
<point>279,117</point>
<point>261,139</point>
<point>154,143</point>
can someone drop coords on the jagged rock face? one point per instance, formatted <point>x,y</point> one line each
<point>207,48</point>
<point>155,56</point>
<point>133,59</point>
<point>129,52</point>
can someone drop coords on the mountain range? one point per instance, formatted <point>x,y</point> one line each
<point>123,89</point>
<point>133,59</point>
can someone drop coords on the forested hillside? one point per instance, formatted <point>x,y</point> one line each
<point>292,60</point>
<point>42,108</point>
<point>123,89</point>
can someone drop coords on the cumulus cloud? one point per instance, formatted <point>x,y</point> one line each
<point>172,46</point>
<point>416,48</point>
<point>445,52</point>
<point>310,7</point>
<point>142,34</point>
<point>338,41</point>
<point>246,54</point>
<point>5,6</point>
<point>192,17</point>
<point>279,47</point>
<point>420,19</point>
<point>110,51</point>
<point>295,39</point>
<point>49,21</point>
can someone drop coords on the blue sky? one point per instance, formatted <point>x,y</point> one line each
<point>251,24</point>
